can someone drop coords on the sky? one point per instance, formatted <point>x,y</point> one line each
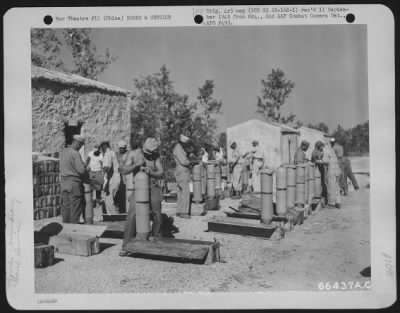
<point>327,63</point>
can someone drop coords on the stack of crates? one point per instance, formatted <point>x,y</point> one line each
<point>46,187</point>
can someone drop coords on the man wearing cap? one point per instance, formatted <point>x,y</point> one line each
<point>73,174</point>
<point>182,176</point>
<point>235,167</point>
<point>153,167</point>
<point>316,157</point>
<point>122,155</point>
<point>339,155</point>
<point>257,160</point>
<point>94,164</point>
<point>300,155</point>
<point>332,176</point>
<point>112,177</point>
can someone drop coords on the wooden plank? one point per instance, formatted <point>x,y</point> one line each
<point>82,229</point>
<point>44,255</point>
<point>114,217</point>
<point>75,244</point>
<point>170,250</point>
<point>233,226</point>
<point>253,216</point>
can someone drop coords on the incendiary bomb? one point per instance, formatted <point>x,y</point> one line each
<point>218,180</point>
<point>306,182</point>
<point>267,211</point>
<point>142,199</point>
<point>197,186</point>
<point>317,182</point>
<point>311,185</point>
<point>291,186</point>
<point>129,188</point>
<point>300,192</point>
<point>281,189</point>
<point>210,181</point>
<point>89,204</point>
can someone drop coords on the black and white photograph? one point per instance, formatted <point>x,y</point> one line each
<point>220,160</point>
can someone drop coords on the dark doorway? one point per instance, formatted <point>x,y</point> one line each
<point>70,131</point>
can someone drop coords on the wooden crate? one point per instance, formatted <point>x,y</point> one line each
<point>78,239</point>
<point>44,255</point>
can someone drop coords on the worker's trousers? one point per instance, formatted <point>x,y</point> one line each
<point>255,176</point>
<point>236,177</point>
<point>333,190</point>
<point>155,210</point>
<point>109,200</point>
<point>348,173</point>
<point>72,200</point>
<point>183,193</point>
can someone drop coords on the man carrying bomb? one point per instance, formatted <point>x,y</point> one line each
<point>149,160</point>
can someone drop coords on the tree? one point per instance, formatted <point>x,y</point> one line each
<point>275,90</point>
<point>46,47</point>
<point>164,114</point>
<point>222,140</point>
<point>320,126</point>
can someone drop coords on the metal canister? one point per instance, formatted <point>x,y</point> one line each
<point>210,180</point>
<point>89,204</point>
<point>142,199</point>
<point>300,185</point>
<point>281,189</point>
<point>267,210</point>
<point>197,188</point>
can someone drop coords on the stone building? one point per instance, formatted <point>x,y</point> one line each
<point>67,104</point>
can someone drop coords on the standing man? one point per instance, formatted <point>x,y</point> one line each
<point>300,155</point>
<point>257,159</point>
<point>235,167</point>
<point>122,154</point>
<point>339,155</point>
<point>329,158</point>
<point>94,164</point>
<point>182,176</point>
<point>73,175</point>
<point>150,159</point>
<point>316,157</point>
<point>112,177</point>
<point>348,173</point>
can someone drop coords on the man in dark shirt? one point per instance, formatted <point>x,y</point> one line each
<point>300,155</point>
<point>73,174</point>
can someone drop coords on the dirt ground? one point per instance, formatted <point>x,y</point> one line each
<point>331,246</point>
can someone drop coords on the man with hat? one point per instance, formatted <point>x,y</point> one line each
<point>332,176</point>
<point>122,155</point>
<point>94,164</point>
<point>182,175</point>
<point>316,157</point>
<point>257,161</point>
<point>300,155</point>
<point>73,175</point>
<point>152,165</point>
<point>112,177</point>
<point>235,167</point>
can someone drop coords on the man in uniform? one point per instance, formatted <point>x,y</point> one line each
<point>149,159</point>
<point>235,167</point>
<point>333,173</point>
<point>112,177</point>
<point>316,157</point>
<point>300,155</point>
<point>182,176</point>
<point>339,155</point>
<point>73,175</point>
<point>122,154</point>
<point>257,159</point>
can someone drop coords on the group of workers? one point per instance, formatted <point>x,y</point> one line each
<point>108,172</point>
<point>334,169</point>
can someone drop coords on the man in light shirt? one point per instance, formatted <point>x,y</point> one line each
<point>257,159</point>
<point>94,164</point>
<point>111,176</point>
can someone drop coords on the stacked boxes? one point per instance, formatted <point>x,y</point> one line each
<point>46,187</point>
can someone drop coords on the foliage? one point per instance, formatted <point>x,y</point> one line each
<point>354,140</point>
<point>46,47</point>
<point>275,90</point>
<point>161,112</point>
<point>222,140</point>
<point>320,126</point>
